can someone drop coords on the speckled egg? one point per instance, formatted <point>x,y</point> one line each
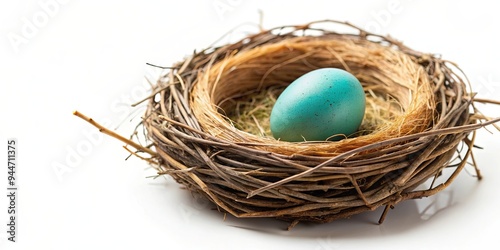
<point>318,105</point>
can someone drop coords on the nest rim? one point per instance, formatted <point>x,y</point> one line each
<point>207,108</point>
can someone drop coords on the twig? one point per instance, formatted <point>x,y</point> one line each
<point>104,130</point>
<point>161,67</point>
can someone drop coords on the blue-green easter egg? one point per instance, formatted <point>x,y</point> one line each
<point>318,105</point>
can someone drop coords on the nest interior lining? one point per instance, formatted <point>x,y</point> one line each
<point>248,175</point>
<point>388,77</point>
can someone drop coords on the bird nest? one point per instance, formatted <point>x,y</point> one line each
<point>208,121</point>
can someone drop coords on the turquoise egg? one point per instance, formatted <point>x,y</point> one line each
<point>318,105</point>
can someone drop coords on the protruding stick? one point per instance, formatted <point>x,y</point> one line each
<point>104,130</point>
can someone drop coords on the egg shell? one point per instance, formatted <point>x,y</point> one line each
<point>318,105</point>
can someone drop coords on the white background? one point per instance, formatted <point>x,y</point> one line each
<point>91,56</point>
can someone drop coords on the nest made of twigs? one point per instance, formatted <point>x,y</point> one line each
<point>418,116</point>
